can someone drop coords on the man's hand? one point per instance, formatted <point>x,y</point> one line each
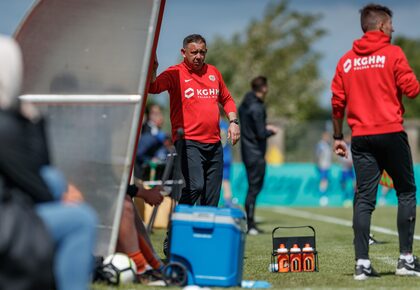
<point>272,128</point>
<point>340,148</point>
<point>72,195</point>
<point>234,133</point>
<point>155,67</point>
<point>151,196</point>
<point>155,64</point>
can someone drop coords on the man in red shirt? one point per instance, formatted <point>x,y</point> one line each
<point>368,86</point>
<point>196,89</point>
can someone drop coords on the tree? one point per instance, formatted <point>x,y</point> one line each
<point>280,47</point>
<point>411,47</point>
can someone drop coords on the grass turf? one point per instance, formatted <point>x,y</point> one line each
<point>336,258</point>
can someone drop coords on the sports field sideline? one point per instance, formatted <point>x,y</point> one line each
<point>334,244</point>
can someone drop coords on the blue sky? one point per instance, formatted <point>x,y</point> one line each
<point>225,17</point>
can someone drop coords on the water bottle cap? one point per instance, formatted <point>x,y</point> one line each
<point>295,249</point>
<point>282,250</point>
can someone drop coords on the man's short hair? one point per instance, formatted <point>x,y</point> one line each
<point>149,107</point>
<point>258,83</point>
<point>372,14</point>
<point>197,38</point>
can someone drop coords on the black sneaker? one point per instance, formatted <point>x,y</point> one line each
<point>372,241</point>
<point>166,246</point>
<point>362,273</point>
<point>408,269</point>
<point>151,278</point>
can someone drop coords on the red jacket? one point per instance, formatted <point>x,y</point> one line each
<point>369,81</point>
<point>194,99</point>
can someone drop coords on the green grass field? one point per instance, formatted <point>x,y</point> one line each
<point>334,244</point>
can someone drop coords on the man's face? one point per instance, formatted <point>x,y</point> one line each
<point>264,92</point>
<point>386,27</point>
<point>156,116</point>
<point>194,55</point>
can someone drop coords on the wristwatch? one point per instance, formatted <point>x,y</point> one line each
<point>338,137</point>
<point>236,121</point>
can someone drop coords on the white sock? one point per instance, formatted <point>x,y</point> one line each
<point>364,262</point>
<point>408,257</point>
<point>148,267</point>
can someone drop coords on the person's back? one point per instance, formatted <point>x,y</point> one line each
<point>254,132</point>
<point>25,168</point>
<point>254,135</point>
<point>18,159</point>
<point>22,147</point>
<point>370,81</point>
<point>373,74</point>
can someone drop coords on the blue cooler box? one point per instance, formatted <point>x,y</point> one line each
<point>210,243</point>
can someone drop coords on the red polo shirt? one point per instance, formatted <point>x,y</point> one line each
<point>194,99</point>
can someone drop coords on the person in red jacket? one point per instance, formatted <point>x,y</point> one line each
<point>196,89</point>
<point>368,85</point>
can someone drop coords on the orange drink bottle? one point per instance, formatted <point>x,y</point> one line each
<point>283,258</point>
<point>308,258</point>
<point>295,259</point>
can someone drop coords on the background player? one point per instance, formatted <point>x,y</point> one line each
<point>255,132</point>
<point>347,178</point>
<point>228,201</point>
<point>323,163</point>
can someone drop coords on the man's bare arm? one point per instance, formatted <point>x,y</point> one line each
<point>233,131</point>
<point>340,147</point>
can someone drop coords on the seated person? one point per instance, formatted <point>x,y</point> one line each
<point>133,239</point>
<point>153,144</point>
<point>25,168</point>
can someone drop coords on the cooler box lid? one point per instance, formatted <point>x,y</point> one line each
<point>210,215</point>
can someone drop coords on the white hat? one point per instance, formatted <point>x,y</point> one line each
<point>10,72</point>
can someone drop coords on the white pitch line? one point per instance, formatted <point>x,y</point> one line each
<point>332,220</point>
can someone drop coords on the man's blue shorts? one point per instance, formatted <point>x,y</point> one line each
<point>347,175</point>
<point>323,173</point>
<point>226,171</point>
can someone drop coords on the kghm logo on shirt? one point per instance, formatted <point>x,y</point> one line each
<point>366,62</point>
<point>208,93</point>
<point>189,93</point>
<point>202,93</point>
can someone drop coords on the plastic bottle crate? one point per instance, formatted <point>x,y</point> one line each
<point>309,237</point>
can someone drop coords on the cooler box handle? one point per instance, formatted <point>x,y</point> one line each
<point>203,220</point>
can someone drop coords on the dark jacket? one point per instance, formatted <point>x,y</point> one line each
<point>254,134</point>
<point>23,152</point>
<point>151,144</point>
